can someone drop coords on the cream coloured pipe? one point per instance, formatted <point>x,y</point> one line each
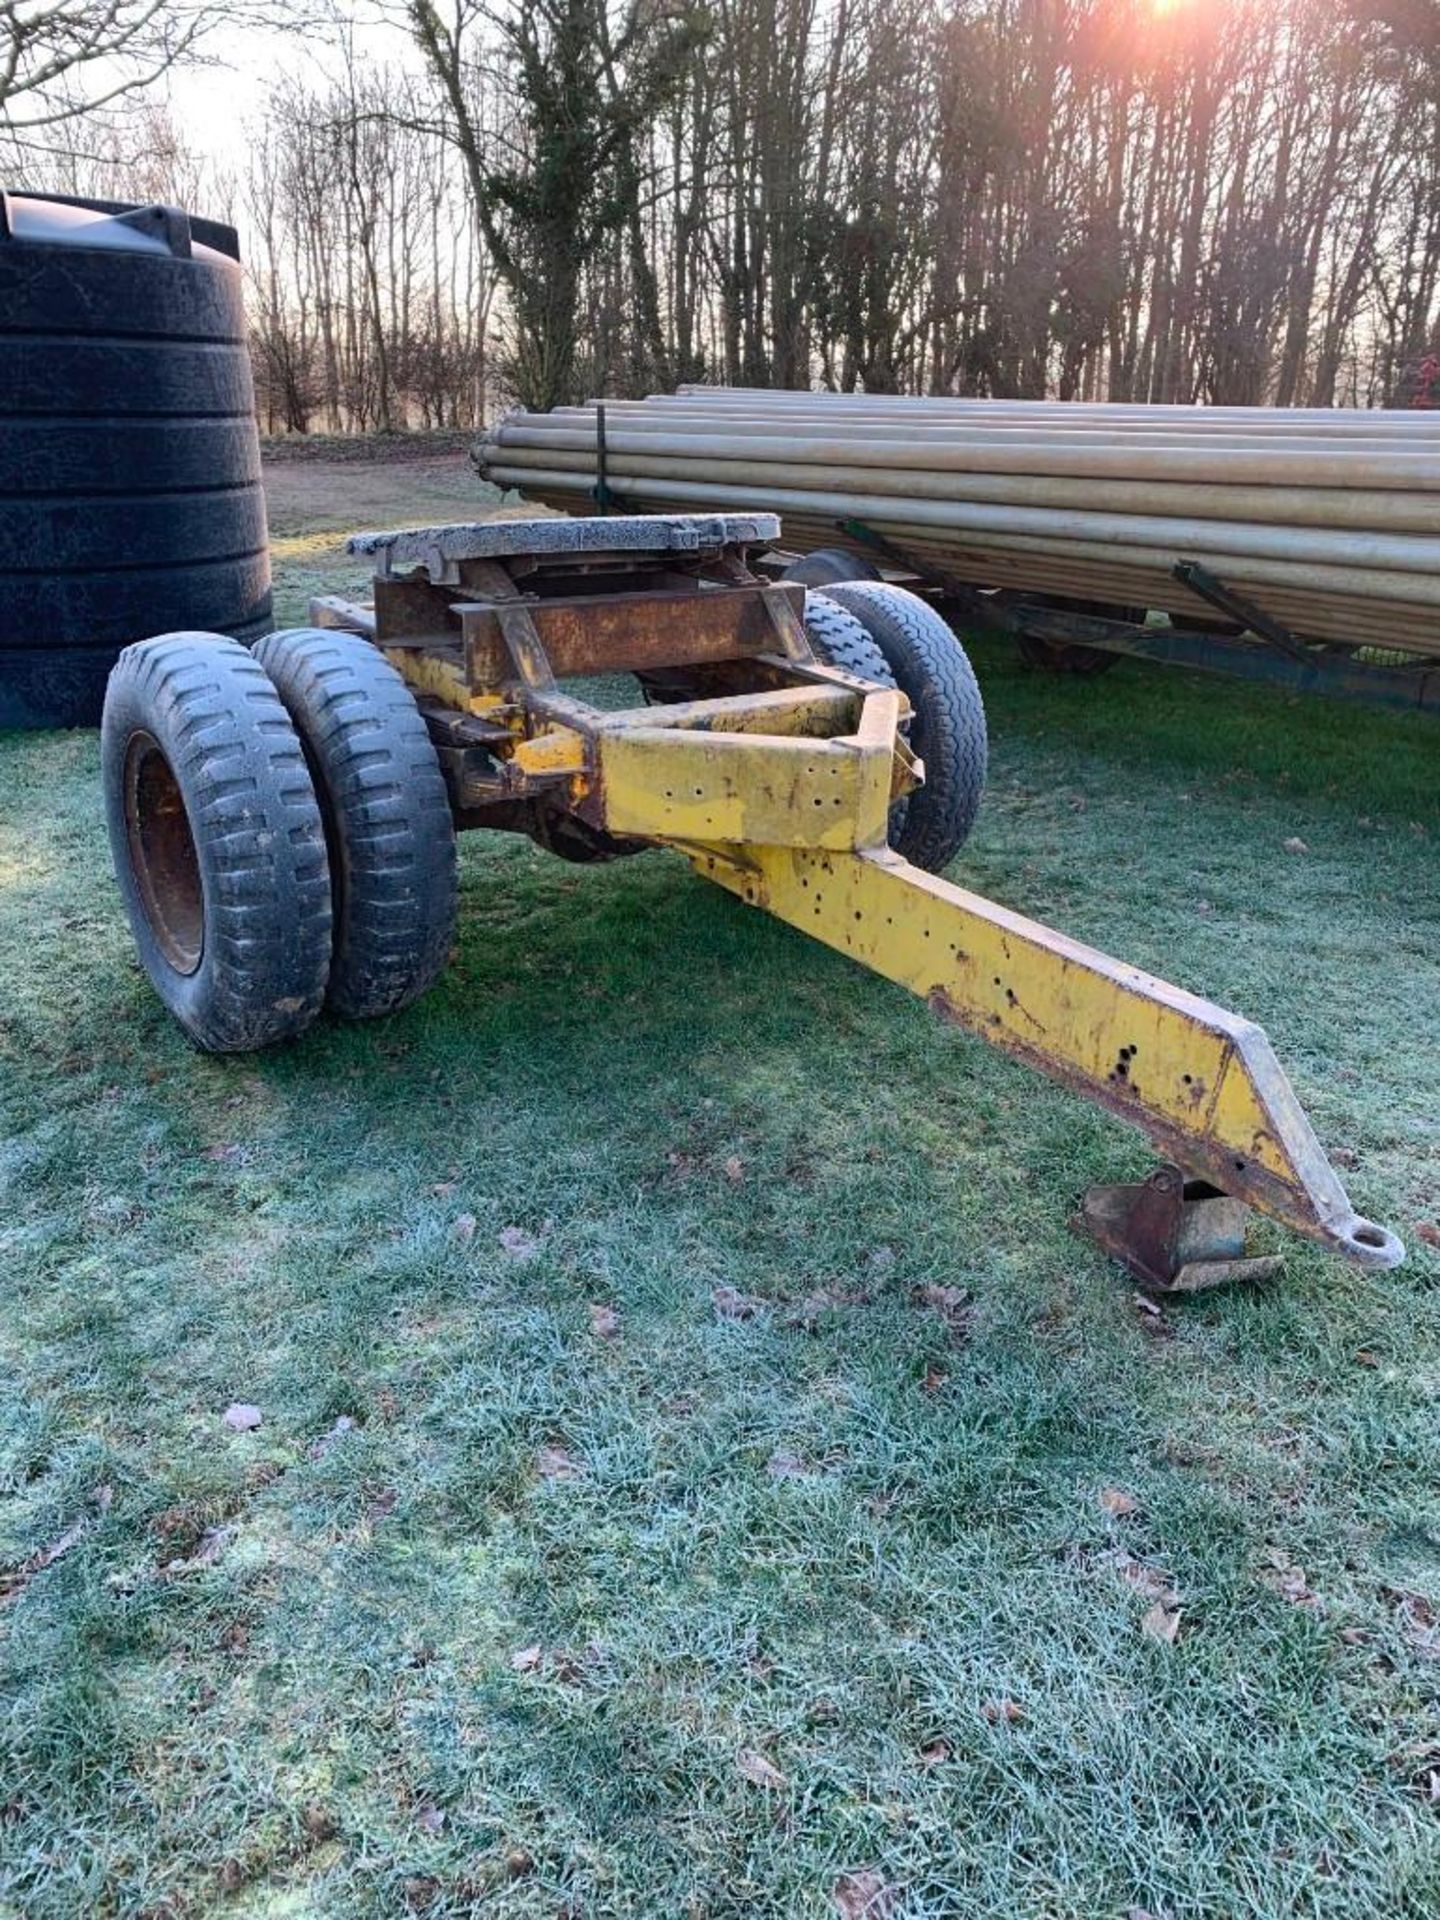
<point>1342,508</point>
<point>1393,556</point>
<point>1319,464</point>
<point>1119,410</point>
<point>1415,589</point>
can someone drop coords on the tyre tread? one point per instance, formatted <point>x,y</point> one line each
<point>932,669</point>
<point>258,838</point>
<point>388,819</point>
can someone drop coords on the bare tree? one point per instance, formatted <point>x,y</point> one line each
<point>64,59</point>
<point>1211,200</point>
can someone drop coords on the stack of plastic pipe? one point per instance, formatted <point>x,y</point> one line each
<point>1328,519</point>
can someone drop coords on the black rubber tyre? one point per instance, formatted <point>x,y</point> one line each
<point>217,839</point>
<point>388,825</point>
<point>826,566</point>
<point>948,732</point>
<point>1058,656</point>
<point>1073,657</point>
<point>841,641</point>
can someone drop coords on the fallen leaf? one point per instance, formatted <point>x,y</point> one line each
<point>322,1446</point>
<point>1161,1623</point>
<point>462,1228</point>
<point>604,1322</point>
<point>519,1244</point>
<point>865,1895</point>
<point>1295,844</point>
<point>18,1578</point>
<point>1002,1712</point>
<point>430,1818</point>
<point>935,1753</point>
<point>518,1863</point>
<point>1344,1157</point>
<point>822,1300</point>
<point>443,1187</point>
<point>1117,1503</point>
<point>1418,1610</point>
<point>1355,1636</point>
<point>784,1465</point>
<point>734,1170</point>
<point>555,1463</point>
<point>242,1417</point>
<point>733,1305</point>
<point>935,1378</point>
<point>1429,1233</point>
<point>319,1822</point>
<point>1145,1304</point>
<point>951,1303</point>
<point>1288,1580</point>
<point>943,1299</point>
<point>1151,1583</point>
<point>1419,1616</point>
<point>212,1545</point>
<point>758,1770</point>
<point>527,1659</point>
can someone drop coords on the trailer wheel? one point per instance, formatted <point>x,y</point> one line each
<point>828,566</point>
<point>1073,657</point>
<point>948,732</point>
<point>388,826</point>
<point>841,641</point>
<point>217,839</point>
<point>1058,656</point>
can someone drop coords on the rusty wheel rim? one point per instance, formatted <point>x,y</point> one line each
<point>162,854</point>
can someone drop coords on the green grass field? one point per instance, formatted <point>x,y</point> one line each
<point>558,1582</point>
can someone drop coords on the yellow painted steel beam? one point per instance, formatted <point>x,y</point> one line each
<point>663,783</point>
<point>1203,1084</point>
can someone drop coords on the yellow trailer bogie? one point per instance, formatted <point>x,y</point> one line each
<point>777,777</point>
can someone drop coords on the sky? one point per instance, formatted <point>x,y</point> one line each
<point>213,104</point>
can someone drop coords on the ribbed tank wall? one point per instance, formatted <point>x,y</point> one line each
<point>130,497</point>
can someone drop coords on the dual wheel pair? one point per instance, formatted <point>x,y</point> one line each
<point>884,633</point>
<point>281,831</point>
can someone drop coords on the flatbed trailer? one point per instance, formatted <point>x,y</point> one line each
<point>283,824</point>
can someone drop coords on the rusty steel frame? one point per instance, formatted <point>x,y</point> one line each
<point>779,791</point>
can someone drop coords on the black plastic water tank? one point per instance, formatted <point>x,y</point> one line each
<point>130,499</point>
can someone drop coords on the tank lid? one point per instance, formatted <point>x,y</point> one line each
<point>111,225</point>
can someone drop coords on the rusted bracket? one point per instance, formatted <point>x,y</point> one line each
<point>1176,1235</point>
<point>1240,607</point>
<point>332,610</point>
